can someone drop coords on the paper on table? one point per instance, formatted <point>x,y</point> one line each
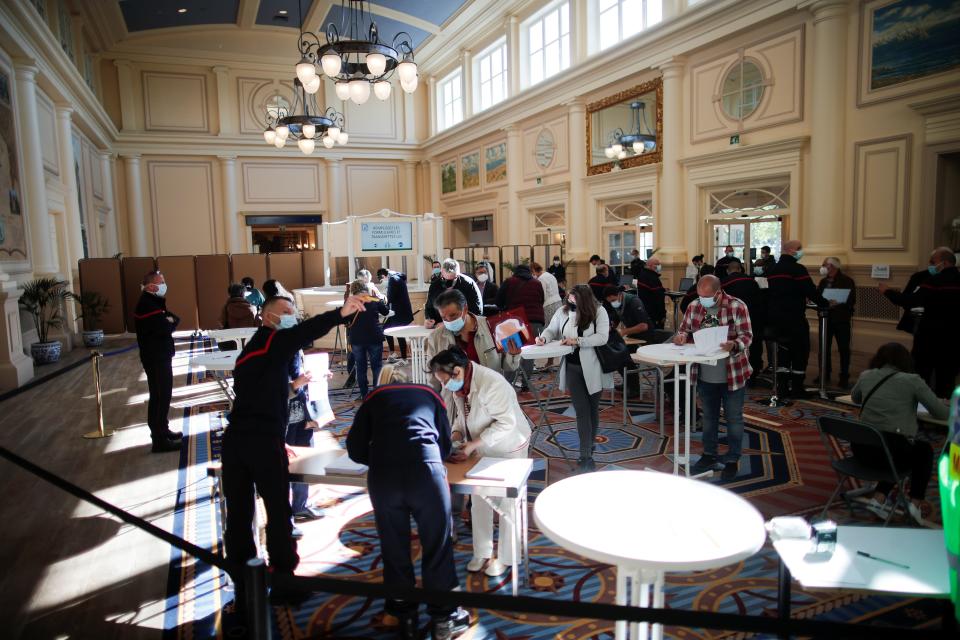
<point>836,295</point>
<point>318,365</point>
<point>709,340</point>
<point>490,469</point>
<point>839,568</point>
<point>762,282</point>
<point>344,465</point>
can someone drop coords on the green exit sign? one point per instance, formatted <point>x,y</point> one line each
<point>735,139</point>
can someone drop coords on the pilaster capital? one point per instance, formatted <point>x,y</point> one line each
<point>131,158</point>
<point>220,69</point>
<point>512,130</point>
<point>64,111</point>
<point>26,70</point>
<point>671,67</point>
<point>577,105</point>
<point>106,154</point>
<point>227,158</point>
<point>825,9</point>
<point>122,63</point>
<point>333,161</point>
<point>410,162</point>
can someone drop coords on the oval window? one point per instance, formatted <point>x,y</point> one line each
<point>742,90</point>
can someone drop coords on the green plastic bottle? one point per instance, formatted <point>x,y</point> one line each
<point>948,473</point>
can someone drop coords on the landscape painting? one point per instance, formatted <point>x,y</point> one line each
<point>470,170</point>
<point>495,165</point>
<point>448,177</point>
<point>911,40</point>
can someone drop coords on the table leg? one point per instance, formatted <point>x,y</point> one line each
<point>661,382</point>
<point>639,597</point>
<point>620,626</point>
<point>823,355</point>
<point>417,361</point>
<point>525,532</point>
<point>658,603</point>
<point>689,409</point>
<point>783,594</point>
<point>676,419</point>
<point>515,568</point>
<point>543,406</point>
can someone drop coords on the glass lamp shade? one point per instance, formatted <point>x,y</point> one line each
<point>343,90</point>
<point>278,142</point>
<point>407,71</point>
<point>382,89</point>
<point>328,142</point>
<point>309,130</point>
<point>313,86</point>
<point>622,155</point>
<point>409,85</point>
<point>638,147</point>
<point>609,152</point>
<point>306,145</point>
<point>269,135</point>
<point>331,64</point>
<point>305,70</point>
<point>359,91</point>
<point>342,138</point>
<point>283,131</point>
<point>333,132</point>
<point>376,64</point>
<point>617,149</point>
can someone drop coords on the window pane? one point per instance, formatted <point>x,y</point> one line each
<point>497,91</point>
<point>731,83</point>
<point>536,67</point>
<point>551,27</point>
<point>565,52</point>
<point>654,12</point>
<point>551,58</point>
<point>485,97</point>
<point>629,240</point>
<point>751,74</point>
<point>565,18</point>
<point>455,87</point>
<point>496,61</point>
<point>632,17</point>
<point>484,68</point>
<point>606,4</point>
<point>609,34</point>
<point>535,34</point>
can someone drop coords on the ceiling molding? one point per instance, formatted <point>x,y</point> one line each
<point>400,16</point>
<point>247,13</point>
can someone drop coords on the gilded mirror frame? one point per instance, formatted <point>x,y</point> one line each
<point>634,161</point>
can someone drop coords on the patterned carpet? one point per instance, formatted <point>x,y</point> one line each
<point>784,470</point>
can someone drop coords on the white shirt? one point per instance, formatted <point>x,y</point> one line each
<point>691,271</point>
<point>495,417</point>
<point>551,290</point>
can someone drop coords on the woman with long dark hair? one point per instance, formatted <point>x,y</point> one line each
<point>889,393</point>
<point>584,325</point>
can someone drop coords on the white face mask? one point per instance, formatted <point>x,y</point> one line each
<point>824,271</point>
<point>482,277</point>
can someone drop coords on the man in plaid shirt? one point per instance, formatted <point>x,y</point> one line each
<point>725,381</point>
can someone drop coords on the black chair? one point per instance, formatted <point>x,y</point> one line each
<point>854,433</point>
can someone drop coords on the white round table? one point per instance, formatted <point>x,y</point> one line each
<point>240,333</point>
<point>545,352</point>
<point>681,357</point>
<point>220,363</point>
<point>336,304</point>
<point>416,335</point>
<point>648,523</point>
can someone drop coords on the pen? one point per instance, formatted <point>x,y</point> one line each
<point>867,555</point>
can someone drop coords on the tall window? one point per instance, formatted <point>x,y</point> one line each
<point>616,20</point>
<point>450,100</point>
<point>490,75</point>
<point>66,30</point>
<point>548,43</point>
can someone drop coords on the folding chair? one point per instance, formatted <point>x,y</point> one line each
<point>855,432</point>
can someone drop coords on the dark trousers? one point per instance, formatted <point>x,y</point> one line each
<point>160,385</point>
<point>403,346</point>
<point>299,436</point>
<point>839,331</point>
<point>756,349</point>
<point>587,407</point>
<point>363,353</point>
<point>793,339</point>
<point>419,491</point>
<point>937,363</point>
<point>257,462</point>
<point>917,454</point>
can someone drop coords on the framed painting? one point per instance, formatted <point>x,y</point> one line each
<point>470,171</point>
<point>13,231</point>
<point>448,177</point>
<point>907,47</point>
<point>495,163</point>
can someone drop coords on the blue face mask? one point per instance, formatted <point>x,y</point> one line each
<point>454,325</point>
<point>708,302</point>
<point>798,254</point>
<point>615,304</point>
<point>453,385</point>
<point>436,271</point>
<point>758,271</point>
<point>161,290</point>
<point>932,269</point>
<point>287,321</point>
<point>658,268</point>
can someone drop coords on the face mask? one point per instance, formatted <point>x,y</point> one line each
<point>483,277</point>
<point>823,271</point>
<point>758,271</point>
<point>729,254</point>
<point>708,302</point>
<point>383,281</point>
<point>557,262</point>
<point>287,321</point>
<point>658,268</point>
<point>454,325</point>
<point>932,269</point>
<point>436,270</point>
<point>453,385</point>
<point>161,289</point>
<point>615,304</point>
<point>798,254</point>
<point>572,303</point>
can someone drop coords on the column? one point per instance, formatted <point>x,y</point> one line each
<point>409,116</point>
<point>513,53</point>
<point>466,64</point>
<point>669,216</point>
<point>580,229</point>
<point>514,184</point>
<point>335,187</point>
<point>15,367</point>
<point>113,230</point>
<point>431,84</point>
<point>43,256</point>
<point>223,99</point>
<point>423,187</point>
<point>435,187</point>
<point>136,221</point>
<point>579,36</point>
<point>410,190</point>
<point>128,120</point>
<point>822,221</point>
<point>71,198</point>
<point>231,215</point>
<point>672,8</point>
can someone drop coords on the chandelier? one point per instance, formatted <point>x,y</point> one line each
<point>639,142</point>
<point>355,58</point>
<point>303,122</point>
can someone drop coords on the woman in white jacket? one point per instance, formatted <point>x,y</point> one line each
<point>584,325</point>
<point>487,420</point>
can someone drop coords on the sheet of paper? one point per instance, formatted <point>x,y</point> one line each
<point>490,469</point>
<point>709,340</point>
<point>318,365</point>
<point>836,295</point>
<point>345,466</point>
<point>762,282</point>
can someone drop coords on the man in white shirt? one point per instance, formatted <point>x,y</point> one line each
<point>551,291</point>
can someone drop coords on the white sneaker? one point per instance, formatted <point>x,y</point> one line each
<point>877,508</point>
<point>495,568</point>
<point>476,564</point>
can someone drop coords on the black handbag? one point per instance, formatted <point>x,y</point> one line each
<point>614,355</point>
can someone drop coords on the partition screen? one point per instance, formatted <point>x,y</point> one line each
<point>103,276</point>
<point>213,278</point>
<point>180,274</point>
<point>133,271</point>
<point>253,265</point>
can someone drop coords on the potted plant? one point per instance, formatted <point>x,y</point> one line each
<point>92,308</point>
<point>44,298</point>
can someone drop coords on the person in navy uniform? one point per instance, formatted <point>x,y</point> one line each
<point>739,285</point>
<point>402,433</point>
<point>155,326</point>
<point>394,286</point>
<point>253,452</point>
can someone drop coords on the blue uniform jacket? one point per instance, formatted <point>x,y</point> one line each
<point>400,424</point>
<point>154,330</point>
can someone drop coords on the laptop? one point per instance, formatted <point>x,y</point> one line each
<point>685,283</point>
<point>626,280</point>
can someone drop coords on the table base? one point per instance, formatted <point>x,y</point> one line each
<point>639,588</point>
<point>543,406</point>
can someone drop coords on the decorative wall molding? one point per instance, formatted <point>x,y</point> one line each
<point>182,206</point>
<point>881,193</point>
<point>941,119</point>
<point>361,199</point>
<point>561,154</point>
<point>49,134</point>
<point>284,181</point>
<point>175,101</point>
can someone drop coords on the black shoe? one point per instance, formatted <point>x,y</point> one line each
<point>706,463</point>
<point>296,533</point>
<point>730,470</point>
<point>586,465</point>
<point>288,598</point>
<point>409,628</point>
<point>451,626</point>
<point>351,380</point>
<point>308,513</point>
<point>162,445</point>
<point>174,435</point>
